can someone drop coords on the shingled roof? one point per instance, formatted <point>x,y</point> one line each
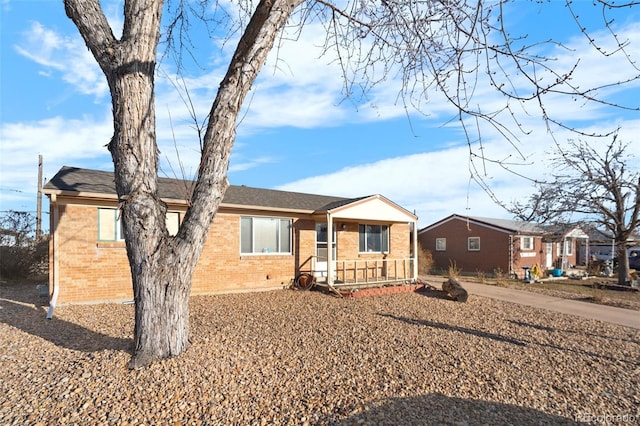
<point>511,225</point>
<point>86,181</point>
<point>505,225</point>
<point>548,232</point>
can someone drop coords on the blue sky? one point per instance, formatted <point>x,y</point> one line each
<point>297,133</point>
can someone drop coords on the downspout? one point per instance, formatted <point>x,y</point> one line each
<point>54,261</point>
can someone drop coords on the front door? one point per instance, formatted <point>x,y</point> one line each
<point>549,257</point>
<point>321,249</point>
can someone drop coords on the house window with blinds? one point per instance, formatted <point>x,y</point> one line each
<point>264,235</point>
<point>373,238</point>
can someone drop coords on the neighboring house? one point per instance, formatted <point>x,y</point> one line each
<point>602,246</point>
<point>260,239</point>
<point>476,244</point>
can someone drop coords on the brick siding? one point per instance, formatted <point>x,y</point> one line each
<point>498,250</point>
<point>89,270</point>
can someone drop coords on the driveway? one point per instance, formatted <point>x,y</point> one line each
<point>620,316</point>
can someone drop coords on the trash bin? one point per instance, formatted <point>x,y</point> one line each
<point>556,272</point>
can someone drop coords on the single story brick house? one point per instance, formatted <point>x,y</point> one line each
<point>260,239</point>
<point>487,245</point>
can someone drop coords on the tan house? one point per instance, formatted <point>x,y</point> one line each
<point>477,244</point>
<point>260,239</point>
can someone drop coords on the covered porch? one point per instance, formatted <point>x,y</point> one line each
<point>373,243</point>
<point>564,238</point>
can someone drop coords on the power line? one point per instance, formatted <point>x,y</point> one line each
<point>6,188</point>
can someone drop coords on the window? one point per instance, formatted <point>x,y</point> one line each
<point>373,238</point>
<point>173,222</point>
<point>110,226</point>
<point>473,244</point>
<point>569,247</point>
<point>526,243</point>
<point>321,242</point>
<point>265,235</point>
<point>441,244</point>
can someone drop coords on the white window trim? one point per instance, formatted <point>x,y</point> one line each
<point>119,233</point>
<point>569,246</point>
<point>565,248</point>
<point>383,251</point>
<point>116,223</point>
<point>527,238</point>
<point>272,253</point>
<point>469,243</point>
<point>442,246</point>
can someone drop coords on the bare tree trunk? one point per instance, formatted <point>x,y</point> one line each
<point>623,263</point>
<point>162,308</point>
<point>162,266</point>
<point>161,273</point>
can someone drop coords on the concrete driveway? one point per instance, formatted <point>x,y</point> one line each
<point>620,316</point>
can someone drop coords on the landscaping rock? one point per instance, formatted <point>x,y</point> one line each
<point>455,290</point>
<point>295,358</point>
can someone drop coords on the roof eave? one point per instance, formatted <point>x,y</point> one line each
<point>114,197</point>
<point>265,208</point>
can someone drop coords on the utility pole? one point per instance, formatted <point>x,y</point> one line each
<point>39,206</point>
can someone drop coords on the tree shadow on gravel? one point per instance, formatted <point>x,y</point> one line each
<point>449,327</point>
<point>23,309</point>
<point>439,409</point>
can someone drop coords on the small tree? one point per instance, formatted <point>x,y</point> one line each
<point>600,187</point>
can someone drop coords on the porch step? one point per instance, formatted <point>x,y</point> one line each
<point>379,291</point>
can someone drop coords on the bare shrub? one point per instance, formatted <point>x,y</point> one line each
<point>453,271</point>
<point>425,261</point>
<point>21,254</point>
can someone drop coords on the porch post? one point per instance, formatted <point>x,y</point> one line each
<point>415,250</point>
<point>587,254</point>
<point>329,249</point>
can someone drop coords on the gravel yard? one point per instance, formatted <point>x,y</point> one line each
<point>290,357</point>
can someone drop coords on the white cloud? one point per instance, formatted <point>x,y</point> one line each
<point>67,55</point>
<point>435,184</point>
<point>59,140</point>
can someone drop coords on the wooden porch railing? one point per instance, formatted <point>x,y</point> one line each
<point>364,272</point>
